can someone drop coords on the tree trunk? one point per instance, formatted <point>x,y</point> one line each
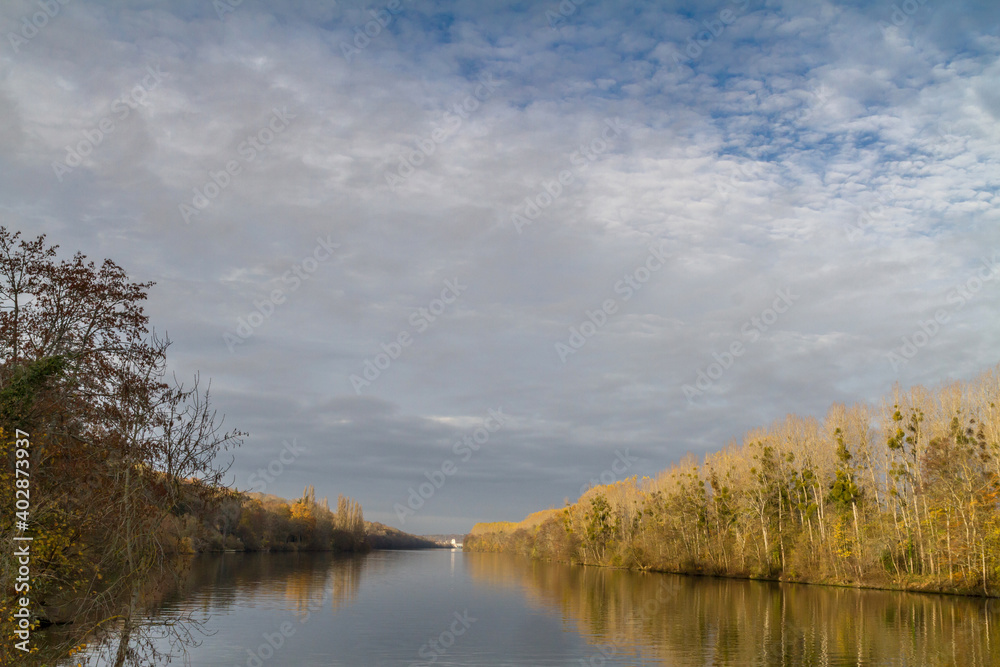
<point>857,535</point>
<point>123,641</point>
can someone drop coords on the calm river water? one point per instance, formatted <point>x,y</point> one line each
<point>452,608</point>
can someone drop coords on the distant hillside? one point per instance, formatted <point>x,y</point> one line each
<point>381,536</point>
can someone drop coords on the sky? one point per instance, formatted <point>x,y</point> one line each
<point>460,259</point>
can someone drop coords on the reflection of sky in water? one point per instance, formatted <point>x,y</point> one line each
<point>381,610</point>
<point>485,609</point>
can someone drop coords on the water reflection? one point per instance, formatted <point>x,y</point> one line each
<point>301,580</point>
<point>680,620</point>
<point>195,604</point>
<point>386,608</point>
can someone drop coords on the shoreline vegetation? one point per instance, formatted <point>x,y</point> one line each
<point>256,522</point>
<point>115,470</point>
<point>901,495</point>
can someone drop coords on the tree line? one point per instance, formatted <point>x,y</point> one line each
<point>124,468</point>
<point>898,494</point>
<point>258,522</point>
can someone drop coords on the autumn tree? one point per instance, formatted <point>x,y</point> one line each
<point>904,493</point>
<point>111,439</point>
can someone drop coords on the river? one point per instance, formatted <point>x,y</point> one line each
<point>451,608</point>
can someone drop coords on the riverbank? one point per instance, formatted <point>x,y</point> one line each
<point>899,495</point>
<point>915,585</point>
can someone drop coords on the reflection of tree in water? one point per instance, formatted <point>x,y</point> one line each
<point>217,582</point>
<point>344,582</point>
<point>155,625</point>
<point>212,584</point>
<point>340,580</point>
<point>699,620</point>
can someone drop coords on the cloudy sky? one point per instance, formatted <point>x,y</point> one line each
<point>634,229</point>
